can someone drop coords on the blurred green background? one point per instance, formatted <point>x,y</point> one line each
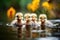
<point>21,6</point>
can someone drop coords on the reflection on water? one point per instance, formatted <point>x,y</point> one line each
<point>6,33</point>
<point>47,38</point>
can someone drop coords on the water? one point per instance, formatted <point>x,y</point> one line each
<point>6,33</point>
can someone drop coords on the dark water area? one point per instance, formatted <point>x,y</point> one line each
<point>6,33</point>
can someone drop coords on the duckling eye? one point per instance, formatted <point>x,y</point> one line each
<point>29,17</point>
<point>17,16</point>
<point>40,17</point>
